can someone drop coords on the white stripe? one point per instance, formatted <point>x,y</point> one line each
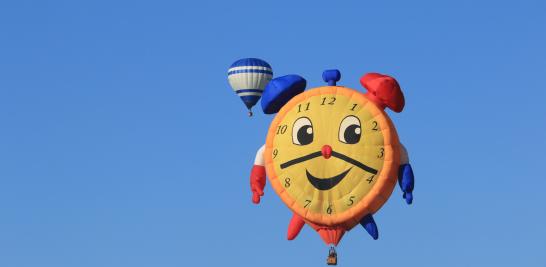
<point>259,159</point>
<point>249,80</point>
<point>404,158</point>
<point>249,93</point>
<point>249,68</point>
<point>246,75</point>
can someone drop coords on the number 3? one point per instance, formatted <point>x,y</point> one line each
<point>381,153</point>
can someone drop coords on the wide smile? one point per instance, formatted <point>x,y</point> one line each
<point>326,183</point>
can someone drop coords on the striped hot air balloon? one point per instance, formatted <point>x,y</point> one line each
<point>248,78</point>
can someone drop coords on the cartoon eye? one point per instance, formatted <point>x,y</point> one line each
<point>349,130</point>
<point>302,132</point>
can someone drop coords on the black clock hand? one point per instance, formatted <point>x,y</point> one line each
<point>354,162</point>
<point>301,159</point>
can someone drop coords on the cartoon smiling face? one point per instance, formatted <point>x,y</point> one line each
<point>330,154</point>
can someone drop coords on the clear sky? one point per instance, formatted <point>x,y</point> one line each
<point>122,144</point>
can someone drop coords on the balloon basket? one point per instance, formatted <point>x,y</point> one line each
<point>332,257</point>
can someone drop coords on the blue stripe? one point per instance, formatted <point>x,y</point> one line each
<point>249,91</point>
<point>250,62</point>
<point>250,71</point>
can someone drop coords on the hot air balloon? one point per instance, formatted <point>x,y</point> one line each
<point>248,78</point>
<point>332,154</point>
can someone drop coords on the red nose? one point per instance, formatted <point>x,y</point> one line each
<point>326,151</point>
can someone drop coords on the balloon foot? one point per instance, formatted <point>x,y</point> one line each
<point>250,113</point>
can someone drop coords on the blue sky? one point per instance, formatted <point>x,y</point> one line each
<point>122,144</point>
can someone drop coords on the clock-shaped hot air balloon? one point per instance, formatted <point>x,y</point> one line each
<point>248,77</point>
<point>332,153</point>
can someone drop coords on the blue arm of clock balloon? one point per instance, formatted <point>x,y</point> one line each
<point>406,179</point>
<point>406,182</point>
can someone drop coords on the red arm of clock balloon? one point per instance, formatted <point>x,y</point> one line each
<point>405,176</point>
<point>257,176</point>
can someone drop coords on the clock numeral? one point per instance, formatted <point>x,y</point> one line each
<point>354,106</point>
<point>375,126</point>
<point>306,107</point>
<point>329,210</point>
<point>287,182</point>
<point>282,129</point>
<point>381,153</point>
<point>275,152</point>
<point>370,180</point>
<point>351,201</point>
<point>307,202</point>
<point>331,102</point>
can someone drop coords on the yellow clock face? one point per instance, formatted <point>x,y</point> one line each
<point>330,155</point>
